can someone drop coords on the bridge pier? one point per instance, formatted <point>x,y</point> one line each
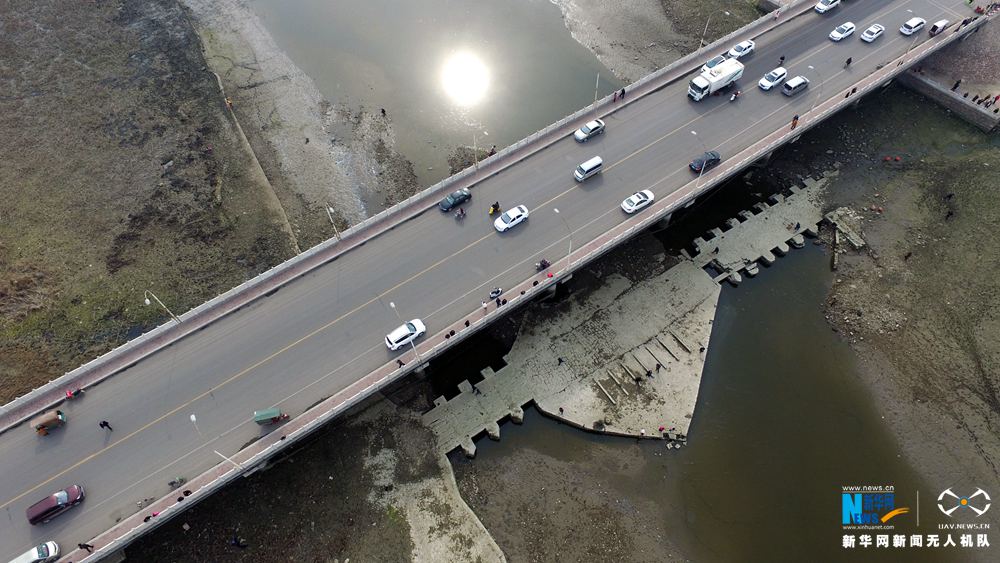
<point>663,222</point>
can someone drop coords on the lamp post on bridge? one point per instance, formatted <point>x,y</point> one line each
<point>570,231</point>
<point>147,294</point>
<point>703,164</point>
<point>392,305</point>
<point>701,43</point>
<point>194,421</point>
<point>819,93</point>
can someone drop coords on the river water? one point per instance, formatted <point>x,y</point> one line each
<point>782,421</point>
<point>391,54</point>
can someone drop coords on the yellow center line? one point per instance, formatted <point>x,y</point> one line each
<point>395,287</point>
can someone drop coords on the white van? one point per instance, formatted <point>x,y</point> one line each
<point>48,551</point>
<point>938,27</point>
<point>588,169</point>
<point>795,85</point>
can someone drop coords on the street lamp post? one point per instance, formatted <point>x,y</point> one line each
<point>149,294</point>
<point>392,305</point>
<point>194,421</point>
<point>912,43</point>
<point>704,150</point>
<point>597,86</point>
<point>703,33</point>
<point>570,231</point>
<point>819,93</point>
<point>475,152</point>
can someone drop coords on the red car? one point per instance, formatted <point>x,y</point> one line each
<point>54,504</point>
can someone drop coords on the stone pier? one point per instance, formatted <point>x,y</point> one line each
<point>628,359</point>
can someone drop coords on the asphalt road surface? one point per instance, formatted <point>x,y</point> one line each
<point>325,330</point>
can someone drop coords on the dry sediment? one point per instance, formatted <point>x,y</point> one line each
<point>974,60</point>
<point>122,171</point>
<point>635,38</point>
<point>316,153</point>
<point>365,489</point>
<point>919,303</point>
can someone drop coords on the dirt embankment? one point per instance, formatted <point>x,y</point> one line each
<point>650,34</point>
<point>316,153</point>
<point>122,172</point>
<point>366,489</point>
<point>920,305</point>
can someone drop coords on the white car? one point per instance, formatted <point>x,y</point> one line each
<point>591,129</point>
<point>742,49</point>
<point>824,6</point>
<point>773,78</point>
<point>912,26</point>
<point>713,62</point>
<point>637,201</point>
<point>872,33</point>
<point>843,30</point>
<point>511,218</point>
<point>404,334</point>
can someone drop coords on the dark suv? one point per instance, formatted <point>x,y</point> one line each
<point>455,199</point>
<point>54,504</point>
<point>705,161</point>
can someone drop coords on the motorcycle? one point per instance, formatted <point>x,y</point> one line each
<point>495,208</point>
<point>495,292</point>
<point>73,394</point>
<point>541,265</point>
<point>176,483</point>
<point>735,95</point>
<point>460,214</point>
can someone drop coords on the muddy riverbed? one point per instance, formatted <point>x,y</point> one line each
<point>907,331</point>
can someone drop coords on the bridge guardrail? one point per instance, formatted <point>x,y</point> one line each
<point>99,369</point>
<point>253,455</point>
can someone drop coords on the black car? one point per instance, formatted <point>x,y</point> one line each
<point>454,199</point>
<point>705,161</point>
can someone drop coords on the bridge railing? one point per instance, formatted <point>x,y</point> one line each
<point>255,454</point>
<point>104,366</point>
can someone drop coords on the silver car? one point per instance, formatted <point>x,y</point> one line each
<point>873,32</point>
<point>713,62</point>
<point>511,218</point>
<point>773,78</point>
<point>404,334</point>
<point>912,26</point>
<point>842,31</point>
<point>591,129</point>
<point>742,49</point>
<point>637,201</point>
<point>824,6</point>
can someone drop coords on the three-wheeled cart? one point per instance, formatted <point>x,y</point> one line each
<point>47,421</point>
<point>269,416</point>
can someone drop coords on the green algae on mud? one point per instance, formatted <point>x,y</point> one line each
<point>122,173</point>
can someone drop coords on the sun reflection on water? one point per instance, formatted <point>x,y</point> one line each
<point>465,79</point>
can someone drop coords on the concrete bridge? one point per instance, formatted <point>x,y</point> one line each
<point>307,336</point>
